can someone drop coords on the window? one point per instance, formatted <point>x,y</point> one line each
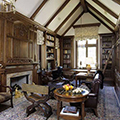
<point>86,48</point>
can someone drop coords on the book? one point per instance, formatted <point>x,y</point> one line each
<point>70,114</point>
<point>70,109</point>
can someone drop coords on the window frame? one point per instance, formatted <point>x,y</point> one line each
<point>88,45</point>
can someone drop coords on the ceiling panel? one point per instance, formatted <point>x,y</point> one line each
<point>27,7</point>
<point>102,19</point>
<point>48,10</point>
<point>105,13</point>
<point>70,21</point>
<point>63,14</point>
<point>112,5</point>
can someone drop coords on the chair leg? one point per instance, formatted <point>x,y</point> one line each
<point>11,102</point>
<point>49,108</point>
<point>95,111</point>
<point>30,109</point>
<point>43,110</point>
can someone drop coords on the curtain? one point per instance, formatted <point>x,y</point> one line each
<point>83,33</point>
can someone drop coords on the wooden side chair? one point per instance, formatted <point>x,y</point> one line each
<point>38,95</point>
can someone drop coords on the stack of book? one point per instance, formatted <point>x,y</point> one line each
<point>70,110</point>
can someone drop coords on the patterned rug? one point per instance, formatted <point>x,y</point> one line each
<point>108,108</point>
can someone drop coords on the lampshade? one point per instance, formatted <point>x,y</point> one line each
<point>7,6</point>
<point>89,60</point>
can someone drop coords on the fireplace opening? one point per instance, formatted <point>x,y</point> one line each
<point>16,82</point>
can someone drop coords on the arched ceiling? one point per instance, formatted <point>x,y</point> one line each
<point>60,15</point>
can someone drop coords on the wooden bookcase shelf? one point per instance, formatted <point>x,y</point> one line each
<point>107,40</point>
<point>67,52</point>
<point>50,51</point>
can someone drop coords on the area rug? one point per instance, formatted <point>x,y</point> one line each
<point>108,108</point>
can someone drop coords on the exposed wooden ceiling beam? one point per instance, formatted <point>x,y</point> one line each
<point>83,3</point>
<point>86,25</point>
<point>65,20</point>
<point>101,21</point>
<point>100,14</point>
<point>73,23</point>
<point>117,1</point>
<point>38,9</point>
<point>58,11</point>
<point>106,9</point>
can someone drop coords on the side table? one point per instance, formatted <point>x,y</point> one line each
<point>71,99</point>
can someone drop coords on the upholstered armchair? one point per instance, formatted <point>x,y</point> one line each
<point>5,96</point>
<point>92,101</point>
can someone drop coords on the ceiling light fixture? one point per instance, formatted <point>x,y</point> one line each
<point>7,6</point>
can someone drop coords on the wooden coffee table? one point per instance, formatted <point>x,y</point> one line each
<point>71,99</point>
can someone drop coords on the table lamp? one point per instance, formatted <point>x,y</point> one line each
<point>89,61</point>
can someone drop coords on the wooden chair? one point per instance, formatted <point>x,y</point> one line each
<point>5,96</point>
<point>38,95</point>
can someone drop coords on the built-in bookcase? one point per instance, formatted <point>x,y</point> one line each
<point>107,40</point>
<point>50,51</point>
<point>67,52</point>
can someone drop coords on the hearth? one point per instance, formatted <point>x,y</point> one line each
<point>16,82</point>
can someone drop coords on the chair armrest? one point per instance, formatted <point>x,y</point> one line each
<point>6,87</point>
<point>92,95</point>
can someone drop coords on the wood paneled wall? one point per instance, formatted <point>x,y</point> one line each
<point>17,42</point>
<point>18,45</point>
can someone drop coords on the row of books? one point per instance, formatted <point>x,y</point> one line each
<point>50,37</point>
<point>66,61</point>
<point>67,45</point>
<point>66,56</point>
<point>50,43</point>
<point>67,51</point>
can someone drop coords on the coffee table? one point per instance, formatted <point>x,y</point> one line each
<point>71,99</point>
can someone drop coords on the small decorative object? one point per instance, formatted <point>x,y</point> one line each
<point>1,66</point>
<point>18,94</point>
<point>7,6</point>
<point>57,43</point>
<point>67,87</point>
<point>77,91</point>
<point>89,61</point>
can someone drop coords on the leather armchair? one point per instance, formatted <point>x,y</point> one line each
<point>92,101</point>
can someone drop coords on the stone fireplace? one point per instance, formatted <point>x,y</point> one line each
<point>19,78</point>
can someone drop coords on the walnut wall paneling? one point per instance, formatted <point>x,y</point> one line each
<point>21,43</point>
<point>20,31</point>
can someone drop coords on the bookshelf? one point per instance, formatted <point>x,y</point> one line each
<point>107,40</point>
<point>117,63</point>
<point>67,52</point>
<point>50,51</point>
